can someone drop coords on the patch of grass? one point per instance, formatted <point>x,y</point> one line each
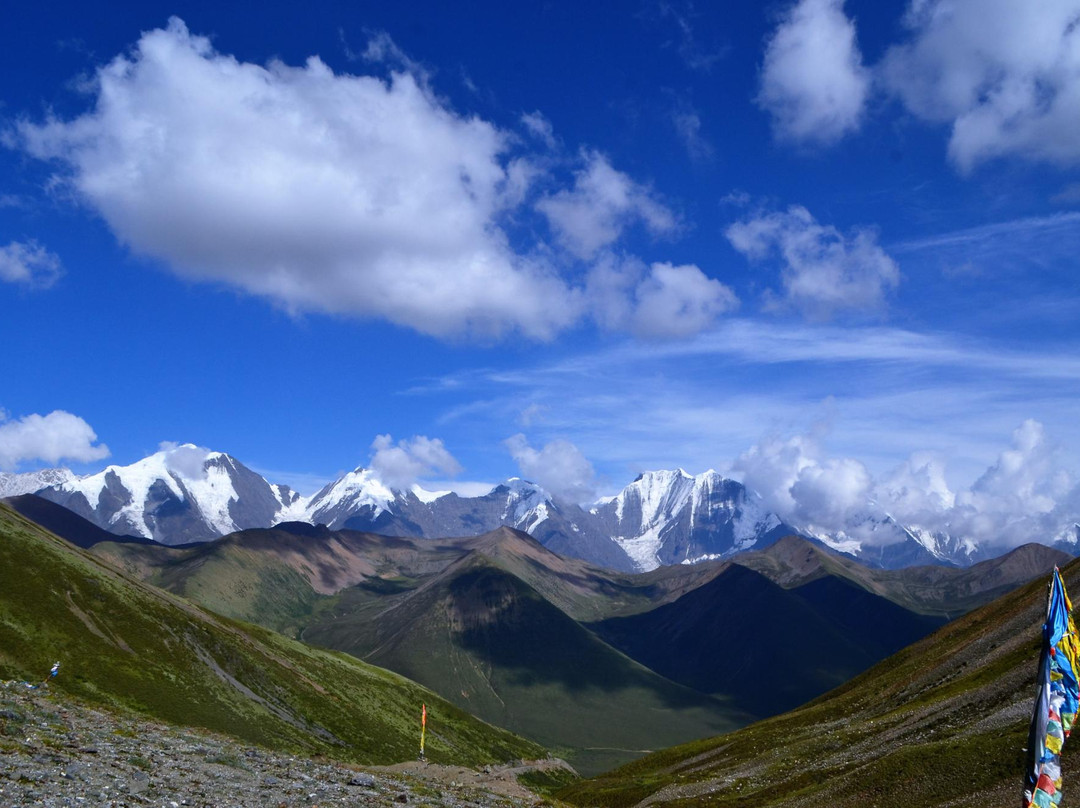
<point>226,759</point>
<point>140,762</point>
<point>546,782</point>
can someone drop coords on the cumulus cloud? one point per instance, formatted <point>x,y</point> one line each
<point>322,192</point>
<point>352,194</point>
<point>30,264</point>
<point>1026,495</point>
<point>805,488</point>
<point>660,301</point>
<point>1004,74</point>
<point>559,467</point>
<point>916,491</point>
<point>813,81</point>
<point>823,271</point>
<point>401,465</point>
<point>48,438</point>
<point>602,204</point>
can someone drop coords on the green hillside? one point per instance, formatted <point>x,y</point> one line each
<point>126,644</point>
<point>943,722</point>
<point>491,644</point>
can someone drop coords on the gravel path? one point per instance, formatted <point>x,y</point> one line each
<point>57,754</point>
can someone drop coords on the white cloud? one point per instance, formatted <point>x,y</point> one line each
<point>661,301</point>
<point>185,459</point>
<point>823,271</point>
<point>687,124</point>
<point>402,465</point>
<point>916,491</point>
<point>601,205</point>
<point>27,262</point>
<point>540,128</point>
<point>559,467</point>
<point>1005,74</point>
<point>336,193</point>
<point>1020,498</point>
<point>321,192</point>
<point>813,82</point>
<point>1026,495</point>
<point>773,466</point>
<point>802,486</point>
<point>383,49</point>
<point>48,438</point>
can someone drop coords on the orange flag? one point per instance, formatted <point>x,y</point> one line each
<point>423,727</point>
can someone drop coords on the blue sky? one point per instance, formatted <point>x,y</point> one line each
<point>830,248</point>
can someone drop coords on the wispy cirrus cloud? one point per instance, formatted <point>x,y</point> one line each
<point>699,403</point>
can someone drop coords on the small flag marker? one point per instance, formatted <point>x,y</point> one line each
<point>423,728</point>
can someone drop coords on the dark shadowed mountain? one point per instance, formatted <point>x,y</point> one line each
<point>65,523</point>
<point>942,722</point>
<point>767,648</point>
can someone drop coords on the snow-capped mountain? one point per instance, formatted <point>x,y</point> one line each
<point>177,495</point>
<point>671,517</point>
<point>14,485</point>
<point>876,539</point>
<point>360,501</point>
<point>188,494</point>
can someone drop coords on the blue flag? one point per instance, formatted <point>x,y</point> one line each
<point>1057,702</point>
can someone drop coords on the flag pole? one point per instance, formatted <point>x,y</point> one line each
<point>423,728</point>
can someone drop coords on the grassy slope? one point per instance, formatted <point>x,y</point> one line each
<point>489,642</point>
<point>126,644</point>
<point>943,722</point>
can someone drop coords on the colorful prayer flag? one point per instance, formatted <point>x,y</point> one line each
<point>1057,702</point>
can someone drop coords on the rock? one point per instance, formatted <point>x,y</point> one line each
<point>270,781</point>
<point>362,779</point>
<point>139,782</point>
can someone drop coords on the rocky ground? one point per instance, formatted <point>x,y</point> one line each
<point>58,754</point>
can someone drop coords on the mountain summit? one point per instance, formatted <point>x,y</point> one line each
<point>177,495</point>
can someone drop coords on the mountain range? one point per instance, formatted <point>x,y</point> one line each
<point>185,494</point>
<point>597,664</point>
